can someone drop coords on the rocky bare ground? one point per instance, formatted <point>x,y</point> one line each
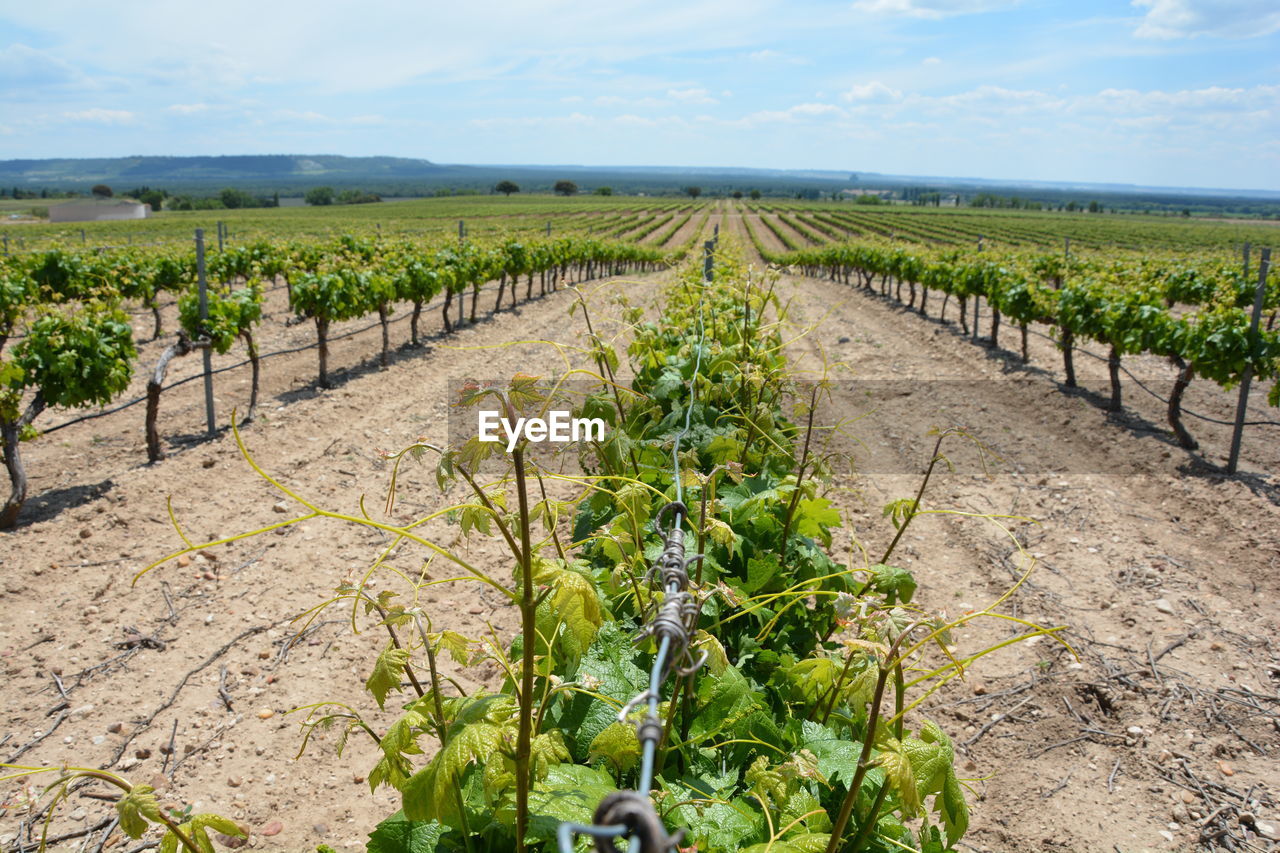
<point>1158,732</point>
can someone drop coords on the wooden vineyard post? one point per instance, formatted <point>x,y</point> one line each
<point>977,302</point>
<point>548,228</point>
<point>1068,337</point>
<point>708,255</point>
<point>206,353</point>
<point>462,238</point>
<point>220,240</point>
<point>1242,406</point>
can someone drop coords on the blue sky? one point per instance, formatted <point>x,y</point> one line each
<point>1162,92</point>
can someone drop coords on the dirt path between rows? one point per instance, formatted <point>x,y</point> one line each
<point>733,225</point>
<point>1166,577</point>
<point>792,234</point>
<point>651,239</point>
<point>767,238</point>
<point>687,231</point>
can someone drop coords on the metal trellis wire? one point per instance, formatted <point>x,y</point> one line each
<point>631,814</point>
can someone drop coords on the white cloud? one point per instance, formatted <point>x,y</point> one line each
<point>317,118</point>
<point>310,116</point>
<point>931,60</point>
<point>932,9</point>
<point>791,114</point>
<point>1008,101</point>
<point>630,120</point>
<point>691,96</point>
<point>1200,104</point>
<point>341,47</point>
<point>1002,111</point>
<point>874,92</point>
<point>576,120</point>
<point>23,67</point>
<point>187,109</point>
<point>1173,19</point>
<point>773,56</point>
<point>618,101</point>
<point>816,110</point>
<point>98,115</point>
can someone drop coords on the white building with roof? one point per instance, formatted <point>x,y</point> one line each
<point>98,210</point>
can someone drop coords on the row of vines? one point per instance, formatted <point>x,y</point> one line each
<point>792,722</point>
<point>1196,313</point>
<point>66,340</point>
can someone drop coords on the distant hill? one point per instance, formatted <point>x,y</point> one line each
<point>188,171</point>
<point>292,174</point>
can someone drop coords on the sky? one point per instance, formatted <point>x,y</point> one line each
<point>1153,92</point>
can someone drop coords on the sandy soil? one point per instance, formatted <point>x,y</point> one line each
<point>796,237</point>
<point>676,216</point>
<point>147,667</point>
<point>698,224</point>
<point>1165,574</point>
<point>767,238</point>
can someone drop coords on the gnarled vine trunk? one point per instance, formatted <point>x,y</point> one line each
<point>502,291</point>
<point>11,437</point>
<point>155,385</point>
<point>322,338</point>
<point>1068,363</point>
<point>155,316</point>
<point>385,356</point>
<point>1185,373</point>
<point>1113,368</point>
<point>255,366</point>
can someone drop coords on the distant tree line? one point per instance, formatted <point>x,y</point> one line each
<point>230,198</point>
<point>247,195</point>
<point>922,196</point>
<point>1014,202</point>
<point>565,188</point>
<point>321,196</point>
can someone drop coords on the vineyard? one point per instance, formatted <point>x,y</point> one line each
<point>768,612</point>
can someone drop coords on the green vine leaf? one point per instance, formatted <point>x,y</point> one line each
<point>891,579</point>
<point>398,834</point>
<point>387,672</point>
<point>136,809</point>
<point>618,745</point>
<point>197,829</point>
